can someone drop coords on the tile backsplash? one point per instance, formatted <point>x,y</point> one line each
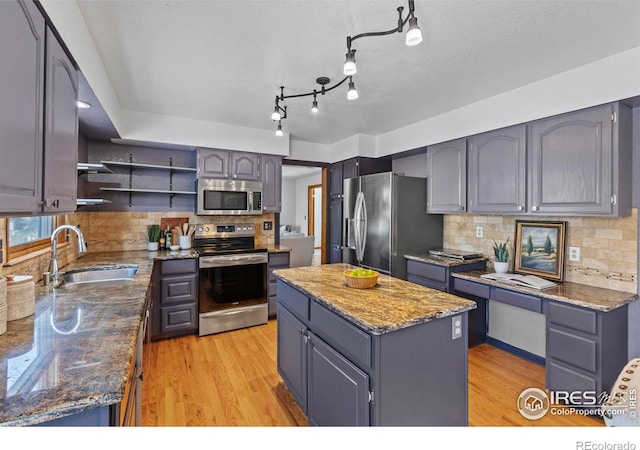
<point>121,231</point>
<point>608,246</point>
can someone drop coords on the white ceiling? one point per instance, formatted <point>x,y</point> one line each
<point>223,61</point>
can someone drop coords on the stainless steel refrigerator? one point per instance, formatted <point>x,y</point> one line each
<point>384,219</point>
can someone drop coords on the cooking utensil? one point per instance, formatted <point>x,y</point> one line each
<point>178,231</point>
<point>185,229</point>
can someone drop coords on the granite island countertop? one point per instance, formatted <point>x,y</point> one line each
<point>75,352</point>
<point>576,294</point>
<point>391,305</point>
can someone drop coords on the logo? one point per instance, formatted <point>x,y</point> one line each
<point>533,403</point>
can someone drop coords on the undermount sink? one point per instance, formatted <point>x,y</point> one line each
<point>110,273</point>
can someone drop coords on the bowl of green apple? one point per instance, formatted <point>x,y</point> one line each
<point>360,278</point>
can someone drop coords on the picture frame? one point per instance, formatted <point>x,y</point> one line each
<point>540,249</point>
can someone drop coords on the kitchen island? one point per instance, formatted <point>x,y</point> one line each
<point>392,355</point>
<point>73,362</point>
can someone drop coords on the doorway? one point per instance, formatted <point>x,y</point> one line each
<point>315,216</point>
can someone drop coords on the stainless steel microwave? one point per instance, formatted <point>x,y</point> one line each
<point>228,197</point>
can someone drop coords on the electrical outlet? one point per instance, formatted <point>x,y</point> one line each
<point>456,327</point>
<point>267,225</point>
<point>574,253</point>
<point>479,232</point>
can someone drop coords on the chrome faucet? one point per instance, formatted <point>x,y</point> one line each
<point>82,247</point>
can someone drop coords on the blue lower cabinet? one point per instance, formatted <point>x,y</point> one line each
<point>292,355</point>
<point>338,391</point>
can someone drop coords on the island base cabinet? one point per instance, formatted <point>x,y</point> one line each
<point>292,355</point>
<point>338,392</point>
<point>340,374</point>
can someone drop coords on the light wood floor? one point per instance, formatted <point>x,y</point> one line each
<point>230,379</point>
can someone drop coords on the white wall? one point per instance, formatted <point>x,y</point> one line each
<point>288,211</point>
<point>301,198</point>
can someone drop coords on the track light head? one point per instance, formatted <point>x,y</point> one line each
<point>275,115</point>
<point>352,93</point>
<point>279,130</point>
<point>350,63</point>
<point>414,33</point>
<point>314,106</point>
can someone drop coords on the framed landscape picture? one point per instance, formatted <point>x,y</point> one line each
<point>540,249</point>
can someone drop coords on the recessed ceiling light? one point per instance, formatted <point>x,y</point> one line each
<point>82,105</point>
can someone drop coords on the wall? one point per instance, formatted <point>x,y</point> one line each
<point>302,185</point>
<point>122,231</point>
<point>288,211</point>
<point>608,246</point>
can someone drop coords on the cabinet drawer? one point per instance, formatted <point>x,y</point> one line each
<point>273,289</point>
<point>517,299</point>
<point>427,283</point>
<point>178,266</point>
<point>429,271</point>
<point>279,259</point>
<point>561,378</point>
<point>295,301</point>
<point>178,317</point>
<point>575,350</point>
<point>576,318</point>
<point>176,289</point>
<point>469,287</point>
<point>343,335</point>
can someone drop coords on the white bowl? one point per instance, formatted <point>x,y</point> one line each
<point>174,247</point>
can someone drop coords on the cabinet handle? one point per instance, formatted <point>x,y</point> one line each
<point>48,203</point>
<point>534,208</point>
<point>461,208</point>
<point>519,208</point>
<point>301,331</point>
<point>235,175</point>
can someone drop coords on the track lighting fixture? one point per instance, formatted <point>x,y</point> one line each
<point>413,37</point>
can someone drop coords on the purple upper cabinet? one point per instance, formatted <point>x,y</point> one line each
<point>61,131</point>
<point>22,53</point>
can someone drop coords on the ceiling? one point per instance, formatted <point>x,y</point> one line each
<point>224,61</point>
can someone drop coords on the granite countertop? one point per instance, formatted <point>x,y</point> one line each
<point>576,294</point>
<point>391,305</point>
<point>75,352</point>
<point>272,248</point>
<point>443,261</point>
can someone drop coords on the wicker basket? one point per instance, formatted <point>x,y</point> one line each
<point>3,305</point>
<point>360,282</point>
<point>21,293</point>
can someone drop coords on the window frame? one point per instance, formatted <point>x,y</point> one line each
<point>22,251</point>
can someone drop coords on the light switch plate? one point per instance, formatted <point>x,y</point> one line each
<point>574,253</point>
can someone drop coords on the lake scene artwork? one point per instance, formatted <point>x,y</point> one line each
<point>540,248</point>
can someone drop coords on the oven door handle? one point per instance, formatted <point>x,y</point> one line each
<point>236,260</point>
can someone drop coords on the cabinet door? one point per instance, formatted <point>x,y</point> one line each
<point>350,168</point>
<point>335,231</point>
<point>292,355</point>
<point>571,163</point>
<point>245,166</point>
<point>271,183</point>
<point>338,391</point>
<point>22,33</point>
<point>335,180</point>
<point>61,130</point>
<point>213,163</point>
<point>447,177</point>
<point>497,171</point>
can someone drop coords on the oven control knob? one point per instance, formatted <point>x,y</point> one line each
<point>206,229</point>
<point>200,229</point>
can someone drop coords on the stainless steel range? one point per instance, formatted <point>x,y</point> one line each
<point>233,278</point>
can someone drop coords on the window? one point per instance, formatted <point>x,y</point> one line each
<point>29,234</point>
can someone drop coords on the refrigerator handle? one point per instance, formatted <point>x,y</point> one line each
<point>358,225</point>
<point>363,231</point>
<point>348,234</point>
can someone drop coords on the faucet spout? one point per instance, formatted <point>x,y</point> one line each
<point>82,247</point>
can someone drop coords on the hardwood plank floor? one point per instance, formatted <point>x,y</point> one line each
<point>230,379</point>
